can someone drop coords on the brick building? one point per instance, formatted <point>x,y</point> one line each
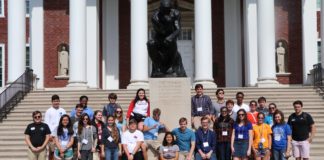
<point>235,41</point>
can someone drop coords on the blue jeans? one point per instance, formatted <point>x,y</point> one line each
<point>198,157</point>
<point>224,151</point>
<point>279,154</point>
<point>111,153</point>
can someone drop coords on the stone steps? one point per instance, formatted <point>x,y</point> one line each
<point>12,145</point>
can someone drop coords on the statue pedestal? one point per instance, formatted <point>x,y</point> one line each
<point>172,96</point>
<point>283,78</point>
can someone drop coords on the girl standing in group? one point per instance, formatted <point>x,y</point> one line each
<point>97,122</point>
<point>87,138</point>
<point>223,128</point>
<point>64,139</point>
<point>261,139</point>
<point>120,120</point>
<point>281,142</point>
<point>139,108</point>
<point>241,140</point>
<point>111,140</point>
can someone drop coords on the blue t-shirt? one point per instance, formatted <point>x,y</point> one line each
<point>152,134</point>
<point>242,130</point>
<point>280,133</point>
<point>87,110</point>
<point>184,139</point>
<point>269,119</point>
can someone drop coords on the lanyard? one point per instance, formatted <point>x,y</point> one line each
<point>261,132</point>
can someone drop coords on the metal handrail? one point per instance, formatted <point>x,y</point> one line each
<point>15,92</point>
<point>317,79</point>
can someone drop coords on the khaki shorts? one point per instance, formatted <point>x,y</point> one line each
<point>51,146</point>
<point>36,155</point>
<point>300,149</point>
<point>153,147</point>
<point>184,155</point>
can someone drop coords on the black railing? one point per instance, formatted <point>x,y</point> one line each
<point>317,79</point>
<point>15,92</point>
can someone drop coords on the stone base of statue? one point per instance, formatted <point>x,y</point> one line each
<point>172,96</point>
<point>267,83</point>
<point>283,78</point>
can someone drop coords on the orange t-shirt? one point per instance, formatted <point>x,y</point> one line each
<point>252,117</point>
<point>263,129</point>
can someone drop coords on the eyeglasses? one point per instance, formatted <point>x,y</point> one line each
<point>37,117</point>
<point>272,108</point>
<point>118,111</point>
<point>224,111</point>
<point>260,117</point>
<point>241,114</point>
<point>86,119</point>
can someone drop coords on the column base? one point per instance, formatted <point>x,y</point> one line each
<point>138,84</point>
<point>77,86</point>
<point>267,83</point>
<point>205,83</point>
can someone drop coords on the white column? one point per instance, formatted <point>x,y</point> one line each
<point>266,45</point>
<point>36,18</point>
<point>233,47</point>
<point>110,64</point>
<point>309,20</point>
<point>250,42</point>
<point>322,33</point>
<point>78,59</point>
<point>16,39</point>
<point>92,43</point>
<point>139,55</point>
<point>203,44</point>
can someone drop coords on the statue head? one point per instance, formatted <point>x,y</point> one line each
<point>165,6</point>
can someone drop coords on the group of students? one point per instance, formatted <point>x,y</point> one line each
<point>222,130</point>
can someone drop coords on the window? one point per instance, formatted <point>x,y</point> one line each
<point>28,57</point>
<point>27,7</point>
<point>2,53</point>
<point>1,8</point>
<point>186,34</point>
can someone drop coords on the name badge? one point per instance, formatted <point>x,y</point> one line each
<point>64,143</point>
<point>205,144</point>
<point>110,139</point>
<point>240,136</point>
<point>277,137</point>
<point>165,149</point>
<point>224,133</point>
<point>262,140</point>
<point>199,109</point>
<point>84,141</point>
<point>32,128</point>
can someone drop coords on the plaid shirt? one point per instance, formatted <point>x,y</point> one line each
<point>223,124</point>
<point>204,102</point>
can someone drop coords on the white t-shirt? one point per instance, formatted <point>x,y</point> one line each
<point>243,106</point>
<point>141,107</point>
<point>52,117</point>
<point>130,139</point>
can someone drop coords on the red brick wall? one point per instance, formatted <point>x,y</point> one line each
<point>289,27</point>
<point>4,34</point>
<point>124,44</point>
<point>56,31</point>
<point>218,42</point>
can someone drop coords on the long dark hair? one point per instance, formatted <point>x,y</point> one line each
<point>238,120</point>
<point>137,97</point>
<point>60,127</point>
<point>121,118</point>
<point>221,117</point>
<point>80,125</point>
<point>165,143</point>
<point>282,121</point>
<point>114,130</point>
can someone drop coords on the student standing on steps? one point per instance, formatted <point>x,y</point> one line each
<point>37,135</point>
<point>52,118</point>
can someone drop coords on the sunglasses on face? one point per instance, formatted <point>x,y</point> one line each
<point>241,114</point>
<point>86,119</point>
<point>261,118</point>
<point>37,117</point>
<point>118,111</point>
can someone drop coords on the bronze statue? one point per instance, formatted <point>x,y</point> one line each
<point>163,50</point>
